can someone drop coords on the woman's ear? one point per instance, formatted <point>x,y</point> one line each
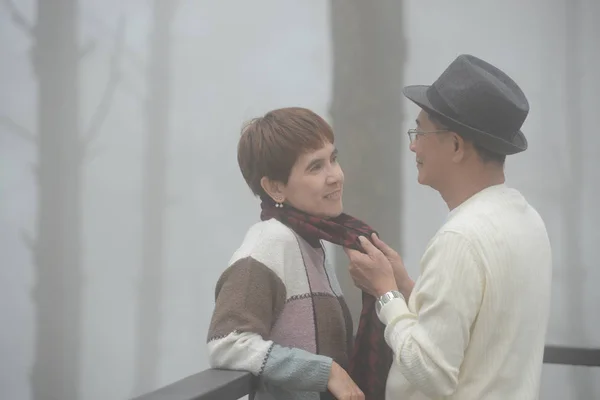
<point>274,189</point>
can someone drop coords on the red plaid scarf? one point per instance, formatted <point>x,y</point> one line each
<point>371,358</point>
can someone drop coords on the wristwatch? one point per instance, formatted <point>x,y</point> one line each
<point>386,298</point>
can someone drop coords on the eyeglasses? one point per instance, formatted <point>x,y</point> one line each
<point>413,133</point>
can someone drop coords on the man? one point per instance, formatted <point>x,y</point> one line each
<point>473,325</point>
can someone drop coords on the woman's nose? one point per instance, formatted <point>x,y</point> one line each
<point>336,175</point>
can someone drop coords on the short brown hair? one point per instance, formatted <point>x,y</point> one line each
<point>270,145</point>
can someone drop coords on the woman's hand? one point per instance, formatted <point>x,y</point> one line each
<point>341,386</point>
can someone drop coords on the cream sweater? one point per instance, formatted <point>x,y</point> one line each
<point>475,323</point>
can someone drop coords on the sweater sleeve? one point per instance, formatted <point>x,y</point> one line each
<point>429,344</point>
<point>249,297</point>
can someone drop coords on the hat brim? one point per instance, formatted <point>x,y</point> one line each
<point>418,95</point>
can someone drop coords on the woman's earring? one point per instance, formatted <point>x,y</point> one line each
<point>279,205</point>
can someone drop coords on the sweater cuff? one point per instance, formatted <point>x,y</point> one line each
<point>323,376</point>
<point>392,310</point>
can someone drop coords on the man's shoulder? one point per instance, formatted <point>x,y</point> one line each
<point>507,223</point>
<point>494,212</point>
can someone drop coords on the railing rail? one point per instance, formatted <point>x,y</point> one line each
<point>572,356</point>
<point>218,384</point>
<point>210,384</point>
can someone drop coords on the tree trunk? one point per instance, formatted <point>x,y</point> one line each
<point>57,292</point>
<point>368,60</point>
<point>573,196</point>
<point>154,198</point>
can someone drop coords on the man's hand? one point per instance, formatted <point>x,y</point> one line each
<point>405,284</point>
<point>341,386</point>
<point>372,272</point>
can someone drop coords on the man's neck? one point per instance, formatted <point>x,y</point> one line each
<point>466,186</point>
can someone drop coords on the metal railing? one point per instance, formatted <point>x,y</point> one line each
<point>210,384</point>
<point>218,384</point>
<point>572,356</point>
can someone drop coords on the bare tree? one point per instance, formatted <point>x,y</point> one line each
<point>61,149</point>
<point>368,60</point>
<point>154,196</point>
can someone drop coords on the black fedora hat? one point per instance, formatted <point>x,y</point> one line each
<point>478,101</point>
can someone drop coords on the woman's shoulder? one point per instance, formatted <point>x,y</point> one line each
<point>267,242</point>
<point>271,232</point>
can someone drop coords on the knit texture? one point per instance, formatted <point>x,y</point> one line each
<point>371,356</point>
<point>280,315</point>
<point>475,323</point>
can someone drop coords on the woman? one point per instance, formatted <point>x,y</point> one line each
<point>279,311</point>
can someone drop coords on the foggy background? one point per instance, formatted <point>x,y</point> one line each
<point>121,200</point>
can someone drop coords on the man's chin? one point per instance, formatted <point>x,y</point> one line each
<point>421,178</point>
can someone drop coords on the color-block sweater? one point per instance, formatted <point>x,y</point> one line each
<point>280,315</point>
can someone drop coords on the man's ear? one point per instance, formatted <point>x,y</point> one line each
<point>273,188</point>
<point>459,147</point>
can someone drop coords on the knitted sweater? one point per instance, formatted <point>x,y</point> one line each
<point>280,315</point>
<point>475,323</point>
